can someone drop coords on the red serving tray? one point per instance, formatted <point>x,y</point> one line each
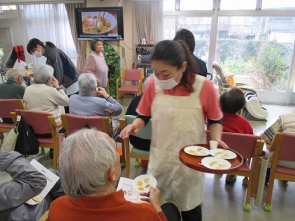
<point>194,162</point>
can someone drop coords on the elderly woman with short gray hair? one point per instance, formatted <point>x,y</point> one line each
<point>45,94</point>
<point>92,100</point>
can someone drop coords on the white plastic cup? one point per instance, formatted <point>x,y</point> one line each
<point>213,144</point>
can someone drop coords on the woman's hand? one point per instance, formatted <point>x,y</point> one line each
<point>153,197</point>
<point>54,82</point>
<point>129,129</point>
<point>101,91</point>
<point>222,144</point>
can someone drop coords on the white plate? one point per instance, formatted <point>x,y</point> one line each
<point>222,153</point>
<point>142,183</point>
<point>196,151</point>
<point>215,163</point>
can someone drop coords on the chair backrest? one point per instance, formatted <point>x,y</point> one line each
<point>284,144</point>
<point>219,71</point>
<point>72,123</point>
<point>144,133</point>
<point>132,74</point>
<point>10,105</point>
<point>244,144</point>
<point>38,120</point>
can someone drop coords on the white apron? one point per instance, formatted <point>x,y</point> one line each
<point>177,121</point>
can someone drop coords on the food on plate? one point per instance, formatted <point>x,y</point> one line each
<point>147,186</point>
<point>192,152</point>
<point>146,180</point>
<point>95,24</point>
<point>139,183</point>
<point>212,163</point>
<point>199,149</point>
<point>140,188</point>
<point>37,199</point>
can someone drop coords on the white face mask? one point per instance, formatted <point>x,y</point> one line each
<point>38,54</point>
<point>169,83</point>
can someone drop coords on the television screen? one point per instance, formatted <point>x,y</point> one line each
<point>100,22</point>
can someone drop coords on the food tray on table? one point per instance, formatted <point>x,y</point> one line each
<point>209,163</point>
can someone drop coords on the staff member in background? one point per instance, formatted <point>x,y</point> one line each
<point>96,63</point>
<point>65,71</point>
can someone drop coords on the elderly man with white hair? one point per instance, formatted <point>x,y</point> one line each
<point>89,167</point>
<point>45,94</point>
<point>92,100</point>
<point>12,89</point>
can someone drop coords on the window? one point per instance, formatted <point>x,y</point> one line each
<point>236,5</point>
<point>257,50</point>
<point>189,5</point>
<point>274,4</point>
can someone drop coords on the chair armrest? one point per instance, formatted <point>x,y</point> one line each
<point>117,81</point>
<point>108,111</point>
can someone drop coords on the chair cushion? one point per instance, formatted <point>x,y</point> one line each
<point>129,88</point>
<point>5,125</point>
<point>285,170</point>
<point>45,140</point>
<point>138,151</point>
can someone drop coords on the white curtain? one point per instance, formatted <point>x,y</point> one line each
<point>47,22</point>
<point>148,20</point>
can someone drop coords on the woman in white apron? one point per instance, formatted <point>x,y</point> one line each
<point>178,101</point>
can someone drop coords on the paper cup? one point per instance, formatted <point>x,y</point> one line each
<point>213,144</point>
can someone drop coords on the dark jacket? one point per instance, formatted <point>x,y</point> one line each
<point>64,69</point>
<point>11,90</point>
<point>203,67</point>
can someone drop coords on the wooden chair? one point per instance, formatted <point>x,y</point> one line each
<point>43,123</point>
<point>72,123</point>
<point>283,145</point>
<point>250,147</point>
<point>135,77</point>
<point>145,133</point>
<point>7,106</point>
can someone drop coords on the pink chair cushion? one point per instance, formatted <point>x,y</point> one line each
<point>5,125</point>
<point>128,88</point>
<point>285,170</point>
<point>7,106</point>
<point>287,151</point>
<point>45,140</point>
<point>245,167</point>
<point>132,74</point>
<point>76,122</point>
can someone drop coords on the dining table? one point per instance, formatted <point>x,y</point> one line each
<point>195,162</point>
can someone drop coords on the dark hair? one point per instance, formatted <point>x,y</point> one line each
<point>175,53</point>
<point>187,36</point>
<point>232,101</point>
<point>34,42</point>
<point>93,42</point>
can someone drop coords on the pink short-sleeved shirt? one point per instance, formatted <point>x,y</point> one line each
<point>208,99</point>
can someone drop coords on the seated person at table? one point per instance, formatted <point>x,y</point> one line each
<point>285,123</point>
<point>89,168</point>
<point>45,94</point>
<point>12,88</point>
<point>139,143</point>
<point>26,183</point>
<point>231,102</point>
<point>88,103</point>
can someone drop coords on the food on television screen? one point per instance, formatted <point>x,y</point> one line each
<point>98,22</point>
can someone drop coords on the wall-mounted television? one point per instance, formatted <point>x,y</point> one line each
<point>100,22</point>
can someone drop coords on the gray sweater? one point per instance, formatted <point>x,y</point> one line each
<point>93,106</point>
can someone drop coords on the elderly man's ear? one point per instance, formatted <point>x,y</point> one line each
<point>20,80</point>
<point>113,175</point>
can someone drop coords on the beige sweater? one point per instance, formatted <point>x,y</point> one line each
<point>40,97</point>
